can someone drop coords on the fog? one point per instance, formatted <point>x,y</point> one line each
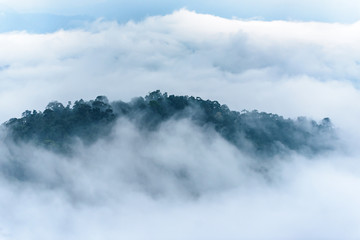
<point>244,64</point>
<point>179,182</point>
<point>183,181</point>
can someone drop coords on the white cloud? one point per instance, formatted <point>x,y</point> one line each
<point>136,191</point>
<point>272,66</point>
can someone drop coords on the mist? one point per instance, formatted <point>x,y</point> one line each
<point>180,54</point>
<point>183,181</point>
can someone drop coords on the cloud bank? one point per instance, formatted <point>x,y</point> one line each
<point>179,182</point>
<point>182,182</point>
<point>290,68</point>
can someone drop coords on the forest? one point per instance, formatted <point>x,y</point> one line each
<point>58,126</point>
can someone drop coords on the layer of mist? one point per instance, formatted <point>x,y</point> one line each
<point>179,182</point>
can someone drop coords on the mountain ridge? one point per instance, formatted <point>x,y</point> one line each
<point>56,127</point>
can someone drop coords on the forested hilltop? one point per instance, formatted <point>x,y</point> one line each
<point>58,126</point>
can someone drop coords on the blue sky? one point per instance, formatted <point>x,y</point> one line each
<point>51,15</point>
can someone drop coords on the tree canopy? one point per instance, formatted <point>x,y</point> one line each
<point>57,126</point>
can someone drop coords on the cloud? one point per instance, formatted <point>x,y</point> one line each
<point>182,182</point>
<point>179,182</point>
<point>290,68</point>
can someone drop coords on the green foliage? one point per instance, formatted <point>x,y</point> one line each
<point>56,127</point>
<point>258,132</point>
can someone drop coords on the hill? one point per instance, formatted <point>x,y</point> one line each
<point>58,126</point>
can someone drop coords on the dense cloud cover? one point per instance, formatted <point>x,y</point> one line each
<point>146,186</point>
<point>179,182</point>
<point>287,68</point>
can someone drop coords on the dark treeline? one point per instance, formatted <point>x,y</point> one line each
<point>263,133</point>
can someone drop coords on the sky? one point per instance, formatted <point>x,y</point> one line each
<point>292,58</point>
<point>48,16</point>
